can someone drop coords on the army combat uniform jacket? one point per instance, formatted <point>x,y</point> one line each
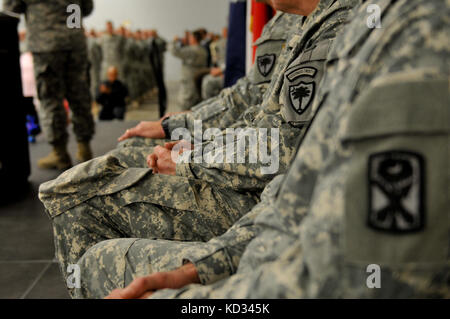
<point>194,59</point>
<point>60,65</point>
<point>206,205</point>
<point>363,205</point>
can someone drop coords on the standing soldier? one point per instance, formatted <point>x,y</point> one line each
<point>95,58</point>
<point>112,49</point>
<point>157,47</point>
<point>61,70</point>
<point>194,58</point>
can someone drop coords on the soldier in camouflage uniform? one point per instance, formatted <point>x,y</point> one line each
<point>213,83</point>
<point>112,51</point>
<point>365,189</point>
<point>194,58</point>
<point>127,63</point>
<point>61,70</point>
<point>95,59</point>
<point>104,199</point>
<point>225,109</point>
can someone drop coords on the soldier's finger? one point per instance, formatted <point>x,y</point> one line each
<point>159,151</point>
<point>170,145</point>
<point>147,295</point>
<point>115,294</point>
<point>140,286</point>
<point>128,133</point>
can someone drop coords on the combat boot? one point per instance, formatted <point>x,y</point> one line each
<point>84,153</point>
<point>58,159</point>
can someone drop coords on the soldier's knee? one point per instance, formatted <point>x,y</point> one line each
<point>102,268</point>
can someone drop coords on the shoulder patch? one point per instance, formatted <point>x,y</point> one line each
<point>396,192</point>
<point>301,96</point>
<point>266,64</point>
<point>302,71</point>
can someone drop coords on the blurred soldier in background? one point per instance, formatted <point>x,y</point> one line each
<point>194,59</point>
<point>95,59</point>
<point>112,48</point>
<point>212,84</point>
<point>157,47</point>
<point>61,70</point>
<point>111,96</point>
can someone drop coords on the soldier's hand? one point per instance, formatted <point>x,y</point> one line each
<point>104,89</point>
<point>144,287</point>
<point>216,72</point>
<point>161,161</point>
<point>145,129</point>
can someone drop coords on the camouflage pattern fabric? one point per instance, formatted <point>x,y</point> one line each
<point>313,239</point>
<point>60,66</point>
<point>383,104</point>
<point>225,109</point>
<point>95,59</point>
<point>64,75</point>
<point>46,21</point>
<point>211,86</point>
<point>224,191</point>
<point>194,59</point>
<point>113,47</point>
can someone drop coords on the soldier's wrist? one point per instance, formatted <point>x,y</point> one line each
<point>165,127</point>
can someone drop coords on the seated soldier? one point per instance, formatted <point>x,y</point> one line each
<point>194,58</point>
<point>225,109</point>
<point>361,207</point>
<point>111,96</point>
<point>213,82</point>
<point>198,200</point>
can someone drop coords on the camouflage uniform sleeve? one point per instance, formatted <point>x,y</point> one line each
<point>16,6</point>
<point>87,6</point>
<point>387,151</point>
<point>182,52</point>
<point>248,176</point>
<point>220,257</point>
<point>223,110</point>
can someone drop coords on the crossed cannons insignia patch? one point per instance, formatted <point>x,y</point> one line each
<point>266,64</point>
<point>396,192</point>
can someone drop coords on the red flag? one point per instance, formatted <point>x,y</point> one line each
<point>261,14</point>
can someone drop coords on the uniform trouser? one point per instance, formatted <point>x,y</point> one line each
<point>114,264</point>
<point>149,207</point>
<point>64,75</point>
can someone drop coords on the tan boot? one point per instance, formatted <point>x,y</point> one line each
<point>58,159</point>
<point>84,152</point>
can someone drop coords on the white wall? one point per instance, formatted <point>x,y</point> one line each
<point>170,17</point>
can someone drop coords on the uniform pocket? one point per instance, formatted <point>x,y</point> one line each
<point>396,184</point>
<point>267,54</point>
<point>301,82</point>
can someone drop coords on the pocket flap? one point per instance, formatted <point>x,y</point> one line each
<point>399,105</point>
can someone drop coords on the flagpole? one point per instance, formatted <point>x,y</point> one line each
<point>249,50</point>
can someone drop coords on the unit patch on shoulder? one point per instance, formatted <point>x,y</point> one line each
<point>266,64</point>
<point>396,192</point>
<point>301,96</point>
<point>303,71</point>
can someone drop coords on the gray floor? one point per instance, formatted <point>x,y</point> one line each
<point>27,266</point>
<point>27,269</point>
